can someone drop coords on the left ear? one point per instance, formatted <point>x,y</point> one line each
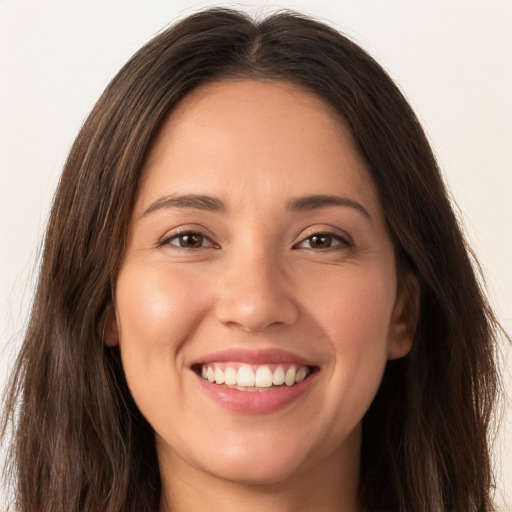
<point>405,317</point>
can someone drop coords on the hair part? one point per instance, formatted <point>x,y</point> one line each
<point>80,442</point>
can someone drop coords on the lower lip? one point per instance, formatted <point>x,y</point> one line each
<point>256,402</point>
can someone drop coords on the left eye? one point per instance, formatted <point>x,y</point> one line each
<point>189,240</point>
<point>323,241</point>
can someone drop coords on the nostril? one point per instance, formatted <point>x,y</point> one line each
<point>256,315</point>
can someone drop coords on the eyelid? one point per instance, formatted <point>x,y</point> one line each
<point>344,238</point>
<point>186,230</point>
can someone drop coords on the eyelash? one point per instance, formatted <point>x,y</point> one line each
<point>167,240</point>
<point>344,242</point>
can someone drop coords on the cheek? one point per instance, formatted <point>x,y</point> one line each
<point>157,307</point>
<point>354,308</point>
<point>158,311</point>
<point>352,316</point>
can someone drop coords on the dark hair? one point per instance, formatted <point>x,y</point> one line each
<point>80,442</point>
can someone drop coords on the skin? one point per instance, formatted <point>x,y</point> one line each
<point>258,281</point>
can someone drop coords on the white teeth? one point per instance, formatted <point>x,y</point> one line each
<point>219,376</point>
<point>229,376</point>
<point>256,377</point>
<point>289,380</point>
<point>278,376</point>
<point>245,376</point>
<point>301,374</point>
<point>264,377</point>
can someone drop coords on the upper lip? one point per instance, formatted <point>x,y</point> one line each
<point>254,356</point>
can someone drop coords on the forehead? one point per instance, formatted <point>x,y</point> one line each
<point>258,137</point>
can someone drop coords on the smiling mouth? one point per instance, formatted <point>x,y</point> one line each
<point>259,378</point>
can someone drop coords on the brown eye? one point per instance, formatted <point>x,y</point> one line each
<point>188,241</point>
<point>320,241</point>
<point>191,241</point>
<point>324,241</point>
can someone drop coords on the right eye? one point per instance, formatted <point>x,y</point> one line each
<point>188,240</point>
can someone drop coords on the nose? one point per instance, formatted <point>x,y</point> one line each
<point>255,294</point>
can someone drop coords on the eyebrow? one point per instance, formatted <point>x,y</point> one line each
<point>297,204</point>
<point>313,202</point>
<point>199,202</point>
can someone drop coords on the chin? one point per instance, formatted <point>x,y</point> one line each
<point>272,470</point>
<point>252,462</point>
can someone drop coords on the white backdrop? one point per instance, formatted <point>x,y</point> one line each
<point>453,60</point>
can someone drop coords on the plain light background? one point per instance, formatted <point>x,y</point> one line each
<point>452,59</point>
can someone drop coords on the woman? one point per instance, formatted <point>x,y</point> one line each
<point>251,287</point>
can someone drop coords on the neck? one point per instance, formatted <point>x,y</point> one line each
<point>330,486</point>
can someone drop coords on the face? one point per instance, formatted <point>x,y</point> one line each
<point>258,253</point>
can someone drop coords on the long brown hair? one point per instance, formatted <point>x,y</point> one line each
<point>80,443</point>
